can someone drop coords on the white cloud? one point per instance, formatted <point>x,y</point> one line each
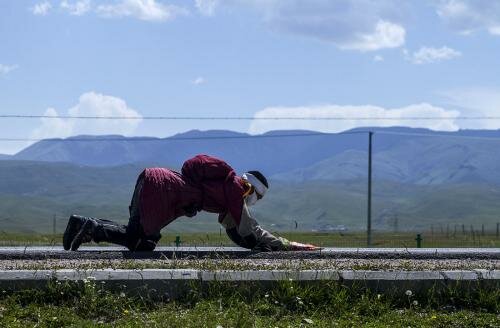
<point>350,118</point>
<point>199,80</point>
<point>378,58</point>
<point>364,25</point>
<point>148,10</point>
<point>427,55</point>
<point>41,9</point>
<point>468,16</point>
<point>476,101</point>
<point>77,8</point>
<point>6,69</point>
<point>90,104</point>
<point>495,30</point>
<point>385,35</point>
<point>207,7</point>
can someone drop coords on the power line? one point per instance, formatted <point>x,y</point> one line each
<point>241,118</point>
<point>437,135</point>
<point>133,139</point>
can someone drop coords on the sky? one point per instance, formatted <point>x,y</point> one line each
<point>245,58</point>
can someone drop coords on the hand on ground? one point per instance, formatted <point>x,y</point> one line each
<point>294,246</point>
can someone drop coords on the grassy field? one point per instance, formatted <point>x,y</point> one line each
<point>321,239</point>
<point>225,305</point>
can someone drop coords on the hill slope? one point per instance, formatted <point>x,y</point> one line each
<point>33,192</point>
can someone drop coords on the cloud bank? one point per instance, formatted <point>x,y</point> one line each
<point>41,9</point>
<point>363,25</point>
<point>77,8</point>
<point>207,7</point>
<point>146,10</point>
<point>476,101</point>
<point>89,104</point>
<point>349,118</point>
<point>6,69</point>
<point>469,16</point>
<point>428,55</point>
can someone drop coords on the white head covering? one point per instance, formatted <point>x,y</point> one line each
<point>252,179</point>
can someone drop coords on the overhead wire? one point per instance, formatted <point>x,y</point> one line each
<point>215,118</point>
<point>174,138</point>
<point>437,135</point>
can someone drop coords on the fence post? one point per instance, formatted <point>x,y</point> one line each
<point>369,211</point>
<point>54,225</point>
<point>419,241</point>
<point>498,229</point>
<point>463,229</point>
<point>482,230</point>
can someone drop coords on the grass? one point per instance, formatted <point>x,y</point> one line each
<point>334,239</point>
<point>223,304</point>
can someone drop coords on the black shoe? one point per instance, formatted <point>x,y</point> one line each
<point>79,230</point>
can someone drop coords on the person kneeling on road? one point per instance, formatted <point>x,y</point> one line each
<point>162,195</point>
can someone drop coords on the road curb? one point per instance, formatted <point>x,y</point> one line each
<point>56,252</point>
<point>173,283</point>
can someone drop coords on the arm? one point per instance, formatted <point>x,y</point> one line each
<point>249,234</point>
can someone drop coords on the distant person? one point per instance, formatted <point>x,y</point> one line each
<point>162,195</point>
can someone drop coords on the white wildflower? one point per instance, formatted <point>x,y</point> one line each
<point>307,320</point>
<point>408,293</point>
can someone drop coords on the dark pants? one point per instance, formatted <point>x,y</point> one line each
<point>131,235</point>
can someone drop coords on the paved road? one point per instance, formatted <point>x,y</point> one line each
<point>56,252</point>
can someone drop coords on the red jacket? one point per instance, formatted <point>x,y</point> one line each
<point>206,183</point>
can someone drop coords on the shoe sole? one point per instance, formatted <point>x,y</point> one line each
<point>77,241</point>
<point>69,234</point>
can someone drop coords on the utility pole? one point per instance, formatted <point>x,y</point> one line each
<point>369,212</point>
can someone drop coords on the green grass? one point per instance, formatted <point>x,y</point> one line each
<point>225,305</point>
<point>351,239</point>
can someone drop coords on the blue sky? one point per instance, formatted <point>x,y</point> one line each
<point>260,58</point>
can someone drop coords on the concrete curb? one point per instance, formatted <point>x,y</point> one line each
<point>56,252</point>
<point>173,283</point>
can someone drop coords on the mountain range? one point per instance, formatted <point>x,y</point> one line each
<point>404,155</point>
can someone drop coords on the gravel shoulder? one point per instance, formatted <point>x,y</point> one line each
<point>255,264</point>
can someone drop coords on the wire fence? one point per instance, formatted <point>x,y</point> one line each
<point>476,237</point>
<point>457,235</point>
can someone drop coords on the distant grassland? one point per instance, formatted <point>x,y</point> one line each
<point>32,194</point>
<point>334,239</point>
